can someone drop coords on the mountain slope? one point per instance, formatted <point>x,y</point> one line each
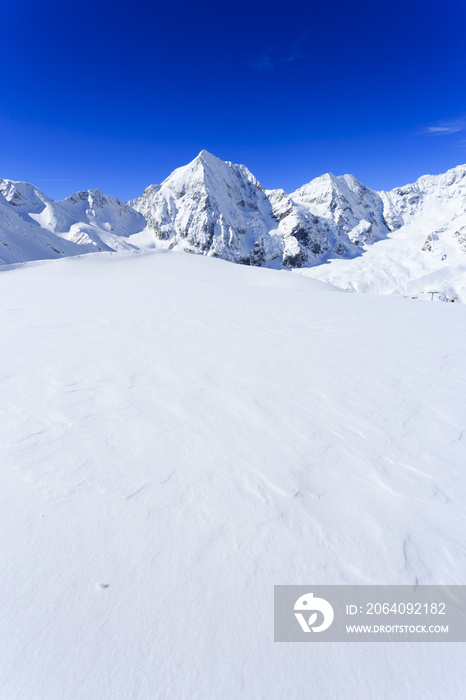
<point>180,434</point>
<point>426,250</point>
<point>329,217</point>
<point>21,238</point>
<point>33,227</point>
<point>215,208</point>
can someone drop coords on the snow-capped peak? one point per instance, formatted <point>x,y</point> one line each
<point>33,226</point>
<point>219,208</point>
<point>212,206</point>
<point>23,195</point>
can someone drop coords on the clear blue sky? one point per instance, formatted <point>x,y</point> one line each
<point>116,95</point>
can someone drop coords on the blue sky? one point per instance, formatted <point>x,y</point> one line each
<point>116,96</point>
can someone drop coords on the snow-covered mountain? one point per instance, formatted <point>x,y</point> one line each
<point>215,208</point>
<point>425,250</point>
<point>329,217</point>
<point>411,239</point>
<point>34,227</point>
<point>219,208</point>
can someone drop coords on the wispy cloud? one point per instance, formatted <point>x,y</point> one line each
<point>443,128</point>
<point>271,58</point>
<point>262,62</point>
<point>296,50</point>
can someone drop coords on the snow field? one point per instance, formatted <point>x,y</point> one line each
<point>179,434</point>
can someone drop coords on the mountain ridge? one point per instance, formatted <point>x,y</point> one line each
<point>219,208</point>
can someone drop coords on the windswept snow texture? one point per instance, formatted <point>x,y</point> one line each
<point>409,241</point>
<point>180,434</point>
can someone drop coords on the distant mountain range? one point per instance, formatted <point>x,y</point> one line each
<point>407,240</point>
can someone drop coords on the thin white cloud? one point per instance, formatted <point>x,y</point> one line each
<point>446,127</point>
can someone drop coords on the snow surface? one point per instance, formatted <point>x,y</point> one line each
<point>179,434</point>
